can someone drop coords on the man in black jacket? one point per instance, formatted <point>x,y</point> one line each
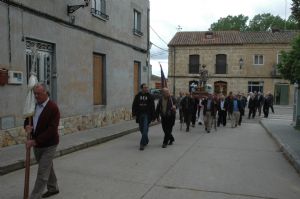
<point>166,109</point>
<point>143,109</point>
<point>187,104</point>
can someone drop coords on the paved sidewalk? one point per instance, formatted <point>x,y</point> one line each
<point>287,137</point>
<point>12,158</point>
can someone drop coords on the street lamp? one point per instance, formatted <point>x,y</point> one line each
<point>241,62</point>
<point>73,8</point>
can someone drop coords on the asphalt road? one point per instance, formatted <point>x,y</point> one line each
<point>237,163</point>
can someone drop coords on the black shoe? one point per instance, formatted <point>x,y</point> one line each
<point>187,130</point>
<point>208,131</point>
<point>200,123</point>
<point>164,146</point>
<point>142,148</point>
<point>48,194</point>
<point>171,142</point>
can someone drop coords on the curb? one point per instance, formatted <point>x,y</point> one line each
<point>20,164</point>
<point>288,153</point>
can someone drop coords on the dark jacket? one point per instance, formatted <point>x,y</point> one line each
<point>213,108</point>
<point>169,112</point>
<point>143,103</point>
<point>187,105</point>
<point>252,103</point>
<point>46,132</point>
<point>230,105</point>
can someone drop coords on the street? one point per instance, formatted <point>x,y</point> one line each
<point>237,163</point>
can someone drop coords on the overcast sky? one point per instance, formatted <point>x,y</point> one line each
<point>198,15</point>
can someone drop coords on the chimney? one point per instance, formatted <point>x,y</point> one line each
<point>209,35</point>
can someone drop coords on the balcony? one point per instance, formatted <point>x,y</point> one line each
<point>137,32</point>
<point>99,14</point>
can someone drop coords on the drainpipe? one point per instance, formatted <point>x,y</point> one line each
<point>9,36</point>
<point>174,71</point>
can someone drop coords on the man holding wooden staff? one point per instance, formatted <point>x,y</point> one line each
<point>43,128</point>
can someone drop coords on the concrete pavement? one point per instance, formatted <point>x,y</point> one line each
<point>230,163</point>
<point>278,125</point>
<point>12,158</point>
<point>280,128</point>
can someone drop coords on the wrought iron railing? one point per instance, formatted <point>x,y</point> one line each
<point>137,32</point>
<point>100,14</point>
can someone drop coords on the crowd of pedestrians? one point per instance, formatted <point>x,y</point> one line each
<point>210,110</point>
<point>217,108</point>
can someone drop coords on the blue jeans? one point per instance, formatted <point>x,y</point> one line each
<point>144,126</point>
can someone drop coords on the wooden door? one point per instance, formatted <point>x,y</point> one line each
<point>98,79</point>
<point>136,77</point>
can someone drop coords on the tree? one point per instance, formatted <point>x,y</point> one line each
<point>260,22</point>
<point>292,24</point>
<point>266,21</point>
<point>230,23</point>
<point>289,66</point>
<point>296,11</point>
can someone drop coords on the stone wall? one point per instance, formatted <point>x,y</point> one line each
<point>69,125</point>
<point>236,77</point>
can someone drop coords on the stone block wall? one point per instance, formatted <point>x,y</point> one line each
<point>69,125</point>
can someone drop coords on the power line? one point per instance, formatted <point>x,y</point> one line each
<point>156,55</point>
<point>158,35</point>
<point>159,47</point>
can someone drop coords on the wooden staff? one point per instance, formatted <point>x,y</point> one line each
<point>27,166</point>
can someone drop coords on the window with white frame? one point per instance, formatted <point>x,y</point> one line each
<point>257,86</point>
<point>279,56</point>
<point>258,59</point>
<point>137,23</point>
<point>99,9</point>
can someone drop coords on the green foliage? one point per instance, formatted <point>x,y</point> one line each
<point>289,66</point>
<point>296,11</point>
<point>230,23</point>
<point>260,22</point>
<point>264,22</point>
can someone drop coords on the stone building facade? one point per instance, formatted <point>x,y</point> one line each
<point>93,55</point>
<point>236,61</point>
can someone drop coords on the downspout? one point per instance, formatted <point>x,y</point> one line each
<point>174,72</point>
<point>9,36</point>
<point>148,48</point>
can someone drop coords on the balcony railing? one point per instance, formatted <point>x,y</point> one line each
<point>137,32</point>
<point>99,14</point>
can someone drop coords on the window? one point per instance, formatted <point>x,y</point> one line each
<point>256,86</point>
<point>279,57</point>
<point>221,64</point>
<point>137,23</point>
<point>258,59</point>
<point>194,64</point>
<point>99,9</point>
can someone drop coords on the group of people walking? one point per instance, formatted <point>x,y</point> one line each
<point>217,109</point>
<point>144,110</point>
<point>211,110</point>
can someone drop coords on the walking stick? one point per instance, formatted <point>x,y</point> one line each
<point>27,168</point>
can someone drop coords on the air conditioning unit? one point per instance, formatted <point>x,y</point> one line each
<point>15,77</point>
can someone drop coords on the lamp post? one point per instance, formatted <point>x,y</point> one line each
<point>73,8</point>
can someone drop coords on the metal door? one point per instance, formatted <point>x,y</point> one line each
<point>44,68</point>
